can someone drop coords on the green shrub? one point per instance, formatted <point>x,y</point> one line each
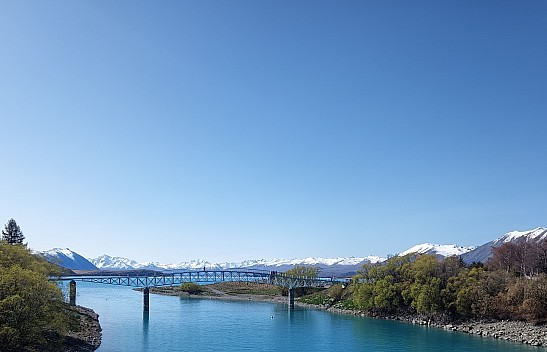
<point>192,288</point>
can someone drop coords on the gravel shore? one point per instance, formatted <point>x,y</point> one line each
<point>516,331</point>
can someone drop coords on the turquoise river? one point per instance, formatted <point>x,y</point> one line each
<point>191,324</point>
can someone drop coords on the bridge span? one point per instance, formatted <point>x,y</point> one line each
<point>205,276</point>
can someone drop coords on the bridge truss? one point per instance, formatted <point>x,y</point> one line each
<point>206,276</point>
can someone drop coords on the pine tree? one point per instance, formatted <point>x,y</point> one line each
<point>12,233</point>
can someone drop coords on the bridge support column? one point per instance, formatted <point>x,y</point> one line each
<point>146,294</point>
<point>72,293</point>
<point>291,298</point>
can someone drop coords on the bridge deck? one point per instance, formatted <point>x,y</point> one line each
<point>207,276</point>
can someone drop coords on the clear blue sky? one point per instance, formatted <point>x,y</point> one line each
<point>231,130</point>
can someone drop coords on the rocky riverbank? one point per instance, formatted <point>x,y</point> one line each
<point>516,331</point>
<point>86,332</point>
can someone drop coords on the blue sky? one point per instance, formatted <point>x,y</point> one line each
<point>231,130</point>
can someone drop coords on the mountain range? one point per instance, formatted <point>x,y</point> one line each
<point>342,266</point>
<point>107,262</point>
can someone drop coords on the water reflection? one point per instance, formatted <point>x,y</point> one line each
<point>145,328</point>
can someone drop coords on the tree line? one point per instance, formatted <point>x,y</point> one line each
<point>512,285</point>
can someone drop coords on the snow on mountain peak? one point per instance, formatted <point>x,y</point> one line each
<point>445,250</point>
<point>118,263</point>
<point>106,261</point>
<point>537,234</point>
<point>64,251</point>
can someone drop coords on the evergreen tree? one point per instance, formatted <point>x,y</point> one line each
<point>12,233</point>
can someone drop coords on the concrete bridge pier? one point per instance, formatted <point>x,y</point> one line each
<point>291,298</point>
<point>146,294</point>
<point>72,293</point>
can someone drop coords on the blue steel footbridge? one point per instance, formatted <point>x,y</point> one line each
<point>204,276</point>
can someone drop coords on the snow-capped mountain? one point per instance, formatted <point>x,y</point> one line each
<point>534,235</point>
<point>484,252</point>
<point>342,266</point>
<point>442,250</point>
<point>107,262</point>
<point>67,259</point>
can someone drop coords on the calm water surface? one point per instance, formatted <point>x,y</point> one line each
<point>189,324</point>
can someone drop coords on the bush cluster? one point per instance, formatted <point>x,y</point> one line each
<point>426,285</point>
<point>192,288</point>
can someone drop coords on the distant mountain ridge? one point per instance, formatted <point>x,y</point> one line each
<point>118,263</point>
<point>341,266</point>
<point>107,262</point>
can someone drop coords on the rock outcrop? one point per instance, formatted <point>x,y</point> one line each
<point>87,334</point>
